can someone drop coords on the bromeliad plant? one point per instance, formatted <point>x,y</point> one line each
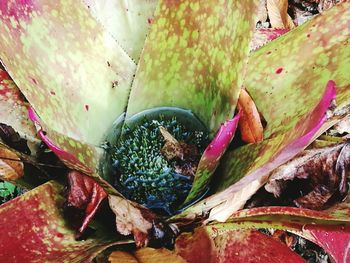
<point>127,100</point>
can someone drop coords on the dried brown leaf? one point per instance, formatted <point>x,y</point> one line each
<point>186,155</point>
<point>11,167</point>
<point>343,127</point>
<point>249,123</point>
<point>86,194</point>
<point>322,173</point>
<point>262,12</point>
<point>132,218</point>
<point>146,255</point>
<point>162,255</point>
<point>122,257</point>
<point>277,11</point>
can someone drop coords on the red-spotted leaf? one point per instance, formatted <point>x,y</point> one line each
<point>262,36</point>
<point>195,55</point>
<point>85,194</point>
<point>13,107</point>
<point>219,243</point>
<point>256,161</point>
<point>285,85</point>
<point>36,231</point>
<point>127,21</point>
<point>320,227</point>
<point>249,123</point>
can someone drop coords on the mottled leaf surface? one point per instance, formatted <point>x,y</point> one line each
<point>193,58</point>
<point>13,107</point>
<point>262,36</point>
<point>292,70</point>
<point>59,57</point>
<point>330,229</point>
<point>128,21</point>
<point>246,169</point>
<point>37,232</point>
<point>219,243</point>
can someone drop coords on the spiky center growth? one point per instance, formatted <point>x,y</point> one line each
<point>145,175</point>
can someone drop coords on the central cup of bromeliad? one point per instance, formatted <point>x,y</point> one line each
<point>156,156</point>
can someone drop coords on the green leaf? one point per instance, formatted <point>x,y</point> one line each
<point>292,70</point>
<point>73,73</point>
<point>36,230</point>
<point>195,54</point>
<point>13,108</point>
<point>6,189</point>
<point>128,21</point>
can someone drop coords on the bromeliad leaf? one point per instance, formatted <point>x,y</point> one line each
<point>256,161</point>
<point>195,53</point>
<point>35,226</point>
<point>219,243</point>
<point>127,21</point>
<point>61,94</point>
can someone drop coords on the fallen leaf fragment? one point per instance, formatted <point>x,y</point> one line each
<point>151,255</point>
<point>122,257</point>
<point>277,11</point>
<point>146,255</point>
<point>218,243</point>
<point>323,170</point>
<point>185,155</point>
<point>262,12</point>
<point>343,127</point>
<point>249,123</point>
<point>86,194</point>
<point>11,166</point>
<point>13,139</point>
<point>132,218</point>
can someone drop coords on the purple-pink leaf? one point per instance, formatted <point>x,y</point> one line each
<point>211,157</point>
